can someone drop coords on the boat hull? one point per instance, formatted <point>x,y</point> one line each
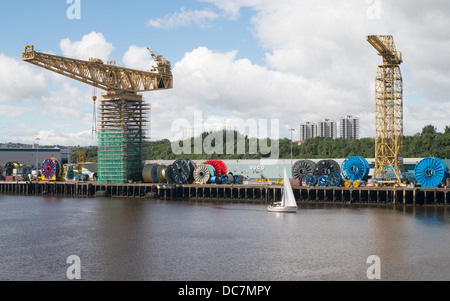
<point>282,209</point>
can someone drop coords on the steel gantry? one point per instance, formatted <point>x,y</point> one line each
<point>388,111</point>
<point>123,112</point>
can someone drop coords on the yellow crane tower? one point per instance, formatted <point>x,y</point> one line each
<point>388,111</point>
<point>123,112</point>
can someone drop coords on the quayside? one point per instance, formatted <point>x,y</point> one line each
<point>263,194</point>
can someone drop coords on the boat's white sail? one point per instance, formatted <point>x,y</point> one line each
<point>288,202</point>
<point>288,194</point>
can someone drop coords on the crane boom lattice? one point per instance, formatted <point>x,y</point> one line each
<point>123,112</point>
<point>388,111</point>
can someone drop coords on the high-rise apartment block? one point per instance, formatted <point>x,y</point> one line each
<point>349,127</point>
<point>308,130</point>
<point>328,129</point>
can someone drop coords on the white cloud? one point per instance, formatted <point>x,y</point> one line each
<point>318,65</point>
<point>138,58</point>
<point>19,81</point>
<point>64,138</point>
<point>323,43</point>
<point>33,100</point>
<point>231,8</point>
<point>184,18</point>
<point>23,133</point>
<point>92,45</point>
<point>69,104</point>
<point>14,111</point>
<point>223,87</point>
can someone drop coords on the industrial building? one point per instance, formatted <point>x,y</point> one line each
<point>32,157</point>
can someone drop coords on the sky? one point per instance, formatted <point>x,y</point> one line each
<point>281,62</point>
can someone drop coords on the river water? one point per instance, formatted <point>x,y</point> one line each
<point>127,239</point>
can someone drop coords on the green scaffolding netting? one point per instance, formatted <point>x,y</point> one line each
<point>119,155</point>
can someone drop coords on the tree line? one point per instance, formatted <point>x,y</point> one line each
<point>428,143</point>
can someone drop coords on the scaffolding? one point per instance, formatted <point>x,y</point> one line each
<point>388,111</point>
<point>389,123</point>
<point>123,125</point>
<point>123,116</point>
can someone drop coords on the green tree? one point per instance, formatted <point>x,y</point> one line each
<point>429,129</point>
<point>429,143</point>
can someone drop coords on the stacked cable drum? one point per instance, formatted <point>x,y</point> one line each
<point>219,167</point>
<point>355,170</point>
<point>212,171</point>
<point>82,178</point>
<point>187,172</point>
<point>203,174</point>
<point>324,169</point>
<point>9,168</point>
<point>302,169</point>
<point>150,173</point>
<point>179,172</point>
<point>323,173</point>
<point>71,174</point>
<point>335,180</point>
<point>431,172</point>
<point>52,169</point>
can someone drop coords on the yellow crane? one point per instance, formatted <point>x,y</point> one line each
<point>122,121</point>
<point>388,110</point>
<point>108,77</point>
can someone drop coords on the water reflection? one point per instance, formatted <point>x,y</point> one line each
<point>126,239</point>
<point>430,215</point>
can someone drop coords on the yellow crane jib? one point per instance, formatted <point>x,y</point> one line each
<point>386,48</point>
<point>108,77</point>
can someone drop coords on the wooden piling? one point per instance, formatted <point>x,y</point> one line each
<point>233,193</point>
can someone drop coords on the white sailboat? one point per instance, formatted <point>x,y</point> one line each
<point>288,203</point>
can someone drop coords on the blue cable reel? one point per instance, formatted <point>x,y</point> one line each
<point>355,169</point>
<point>225,178</point>
<point>237,179</point>
<point>311,180</point>
<point>82,178</point>
<point>431,172</point>
<point>154,173</point>
<point>71,174</point>
<point>212,171</point>
<point>323,181</point>
<point>335,180</point>
<point>216,180</point>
